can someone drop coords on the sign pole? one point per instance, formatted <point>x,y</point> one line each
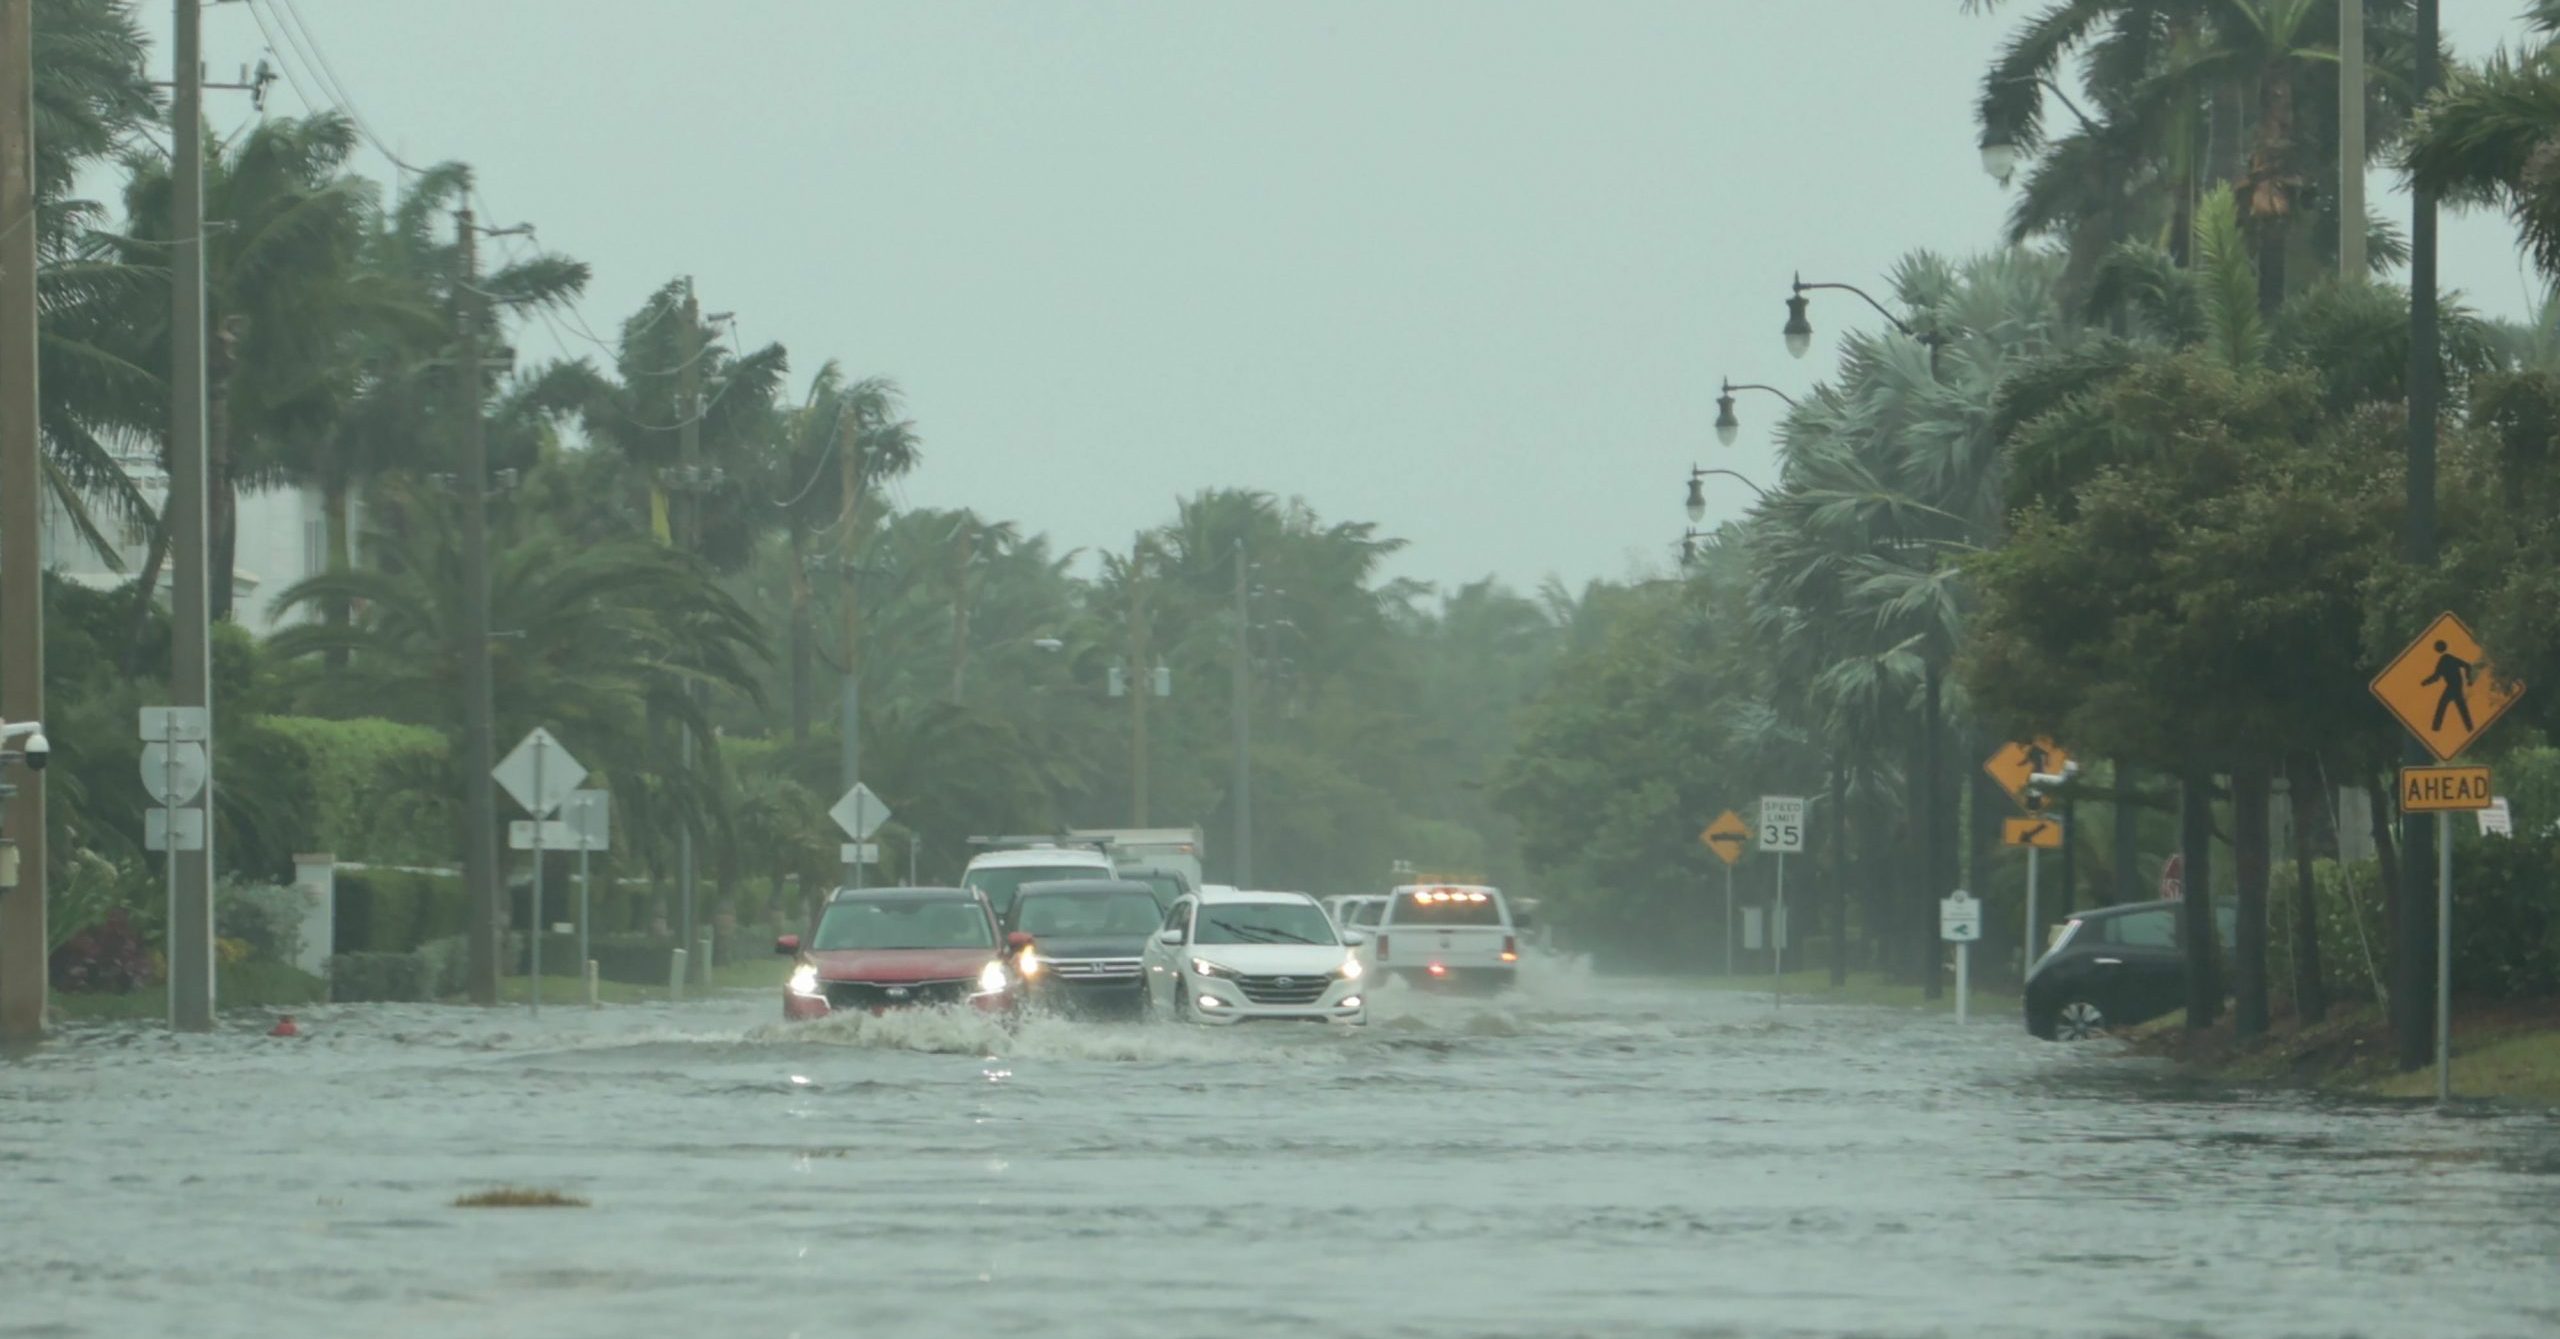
<point>1728,920</point>
<point>1964,975</point>
<point>1778,940</point>
<point>539,817</point>
<point>169,858</point>
<point>2444,957</point>
<point>2028,945</point>
<point>586,843</point>
<point>860,807</point>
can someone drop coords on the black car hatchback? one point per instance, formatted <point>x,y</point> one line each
<point>2113,967</point>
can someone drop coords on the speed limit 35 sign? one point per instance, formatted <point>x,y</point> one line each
<point>1782,824</point>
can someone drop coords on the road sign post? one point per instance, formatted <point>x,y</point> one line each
<point>2445,689</point>
<point>1960,924</point>
<point>591,814</point>
<point>860,813</point>
<point>540,774</point>
<point>1725,837</point>
<point>175,766</point>
<point>1781,833</point>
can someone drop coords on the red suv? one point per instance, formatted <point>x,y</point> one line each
<point>879,949</point>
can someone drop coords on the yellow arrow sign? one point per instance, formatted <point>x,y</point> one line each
<point>2042,833</point>
<point>1726,837</point>
<point>2444,689</point>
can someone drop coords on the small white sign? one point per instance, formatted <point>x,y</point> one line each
<point>1959,918</point>
<point>175,724</point>
<point>859,853</point>
<point>860,813</point>
<point>173,773</point>
<point>589,813</point>
<point>539,773</point>
<point>156,829</point>
<point>1782,824</point>
<point>556,835</point>
<point>2497,820</point>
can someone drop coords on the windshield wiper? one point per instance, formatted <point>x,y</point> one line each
<point>1259,934</point>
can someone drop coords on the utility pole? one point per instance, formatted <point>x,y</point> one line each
<point>689,534</point>
<point>479,707</point>
<point>1140,678</point>
<point>190,945</point>
<point>1244,721</point>
<point>2351,140</point>
<point>849,462</point>
<point>2413,983</point>
<point>22,908</point>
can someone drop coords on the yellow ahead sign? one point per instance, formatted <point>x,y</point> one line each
<point>2436,790</point>
<point>2444,689</point>
<point>2016,762</point>
<point>2044,834</point>
<point>1726,837</point>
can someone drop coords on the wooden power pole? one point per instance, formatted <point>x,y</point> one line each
<point>22,908</point>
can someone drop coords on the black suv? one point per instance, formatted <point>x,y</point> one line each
<point>1086,938</point>
<point>2114,967</point>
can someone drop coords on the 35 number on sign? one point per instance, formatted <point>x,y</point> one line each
<point>1782,824</point>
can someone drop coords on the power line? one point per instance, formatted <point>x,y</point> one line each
<point>291,19</point>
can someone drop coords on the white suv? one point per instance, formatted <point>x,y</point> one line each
<point>1001,874</point>
<point>1452,933</point>
<point>1225,956</point>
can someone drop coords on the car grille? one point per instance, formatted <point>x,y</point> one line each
<point>1284,989</point>
<point>895,995</point>
<point>1093,969</point>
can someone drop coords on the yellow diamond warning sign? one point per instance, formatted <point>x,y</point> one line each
<point>2017,762</point>
<point>1726,837</point>
<point>2436,790</point>
<point>2444,689</point>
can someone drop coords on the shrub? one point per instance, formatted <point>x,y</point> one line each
<point>111,956</point>
<point>375,790</point>
<point>361,977</point>
<point>2506,916</point>
<point>394,911</point>
<point>446,965</point>
<point>266,916</point>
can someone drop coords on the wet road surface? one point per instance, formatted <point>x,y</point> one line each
<point>1582,1157</point>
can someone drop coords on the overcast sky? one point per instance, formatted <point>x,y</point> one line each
<point>1468,269</point>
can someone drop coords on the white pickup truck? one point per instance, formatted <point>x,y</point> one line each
<point>1456,934</point>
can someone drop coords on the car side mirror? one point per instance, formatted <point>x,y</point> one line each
<point>1353,939</point>
<point>1017,941</point>
<point>1170,938</point>
<point>787,944</point>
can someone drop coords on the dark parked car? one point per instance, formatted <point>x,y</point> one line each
<point>1086,936</point>
<point>2114,967</point>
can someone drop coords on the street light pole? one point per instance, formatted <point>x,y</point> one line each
<point>1243,724</point>
<point>1727,426</point>
<point>22,909</point>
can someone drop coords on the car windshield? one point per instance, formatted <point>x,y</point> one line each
<point>1002,882</point>
<point>1263,923</point>
<point>903,922</point>
<point>1366,913</point>
<point>1452,906</point>
<point>1166,887</point>
<point>1122,913</point>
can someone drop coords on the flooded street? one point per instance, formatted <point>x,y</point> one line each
<point>1582,1157</point>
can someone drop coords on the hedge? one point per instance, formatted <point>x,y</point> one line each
<point>395,911</point>
<point>372,790</point>
<point>432,971</point>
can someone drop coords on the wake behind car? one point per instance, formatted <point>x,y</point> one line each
<point>1088,937</point>
<point>1459,934</point>
<point>890,948</point>
<point>2112,968</point>
<point>1225,956</point>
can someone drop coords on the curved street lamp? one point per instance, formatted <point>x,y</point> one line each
<point>1697,503</point>
<point>1799,331</point>
<point>1727,426</point>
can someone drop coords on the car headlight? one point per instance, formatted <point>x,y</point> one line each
<point>1204,967</point>
<point>1349,970</point>
<point>1028,961</point>
<point>991,978</point>
<point>804,980</point>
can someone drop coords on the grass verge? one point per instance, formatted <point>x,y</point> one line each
<point>2508,1049</point>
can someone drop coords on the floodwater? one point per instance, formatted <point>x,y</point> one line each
<point>1581,1157</point>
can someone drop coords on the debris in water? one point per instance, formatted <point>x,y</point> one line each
<point>519,1197</point>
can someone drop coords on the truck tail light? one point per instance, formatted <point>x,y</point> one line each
<point>1510,948</point>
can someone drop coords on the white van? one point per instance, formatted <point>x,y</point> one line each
<point>1457,934</point>
<point>1001,874</point>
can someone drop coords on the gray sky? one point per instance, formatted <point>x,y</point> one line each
<point>1470,270</point>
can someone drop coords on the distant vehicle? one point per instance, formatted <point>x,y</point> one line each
<point>1001,873</point>
<point>1087,941</point>
<point>1225,957</point>
<point>1357,914</point>
<point>2114,967</point>
<point>1166,881</point>
<point>1156,850</point>
<point>879,949</point>
<point>1459,934</point>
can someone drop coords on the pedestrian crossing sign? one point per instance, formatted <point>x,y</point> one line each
<point>2444,688</point>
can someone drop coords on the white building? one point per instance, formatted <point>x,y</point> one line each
<point>284,537</point>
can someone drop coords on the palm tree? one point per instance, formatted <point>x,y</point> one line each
<point>2486,140</point>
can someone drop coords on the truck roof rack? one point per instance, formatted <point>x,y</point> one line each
<point>1015,843</point>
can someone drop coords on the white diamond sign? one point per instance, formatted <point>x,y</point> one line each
<point>173,773</point>
<point>860,813</point>
<point>539,773</point>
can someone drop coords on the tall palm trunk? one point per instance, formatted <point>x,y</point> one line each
<point>146,594</point>
<point>802,650</point>
<point>2250,844</point>
<point>2270,194</point>
<point>2195,843</point>
<point>2310,807</point>
<point>222,503</point>
<point>336,510</point>
<point>1840,871</point>
<point>1938,834</point>
<point>2125,878</point>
